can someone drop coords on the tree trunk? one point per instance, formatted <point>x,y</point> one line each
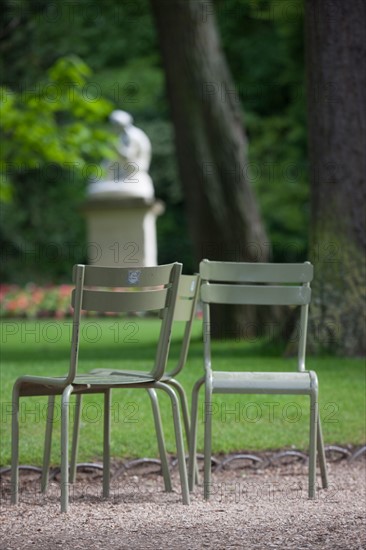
<point>335,36</point>
<point>211,148</point>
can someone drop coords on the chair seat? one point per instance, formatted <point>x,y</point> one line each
<point>86,383</point>
<point>140,374</point>
<point>127,372</point>
<point>263,382</point>
<point>113,379</point>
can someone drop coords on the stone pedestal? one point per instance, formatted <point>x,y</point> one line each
<point>122,230</point>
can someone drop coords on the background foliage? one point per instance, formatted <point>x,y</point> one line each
<point>263,42</point>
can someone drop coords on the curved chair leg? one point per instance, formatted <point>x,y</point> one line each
<point>207,441</point>
<point>106,443</point>
<point>321,455</point>
<point>192,470</point>
<point>313,441</point>
<point>65,402</point>
<point>161,440</point>
<point>178,440</point>
<point>75,438</point>
<point>15,446</point>
<point>47,443</point>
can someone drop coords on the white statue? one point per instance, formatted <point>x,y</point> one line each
<point>127,176</point>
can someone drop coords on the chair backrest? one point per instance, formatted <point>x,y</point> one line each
<point>242,283</point>
<point>185,308</point>
<point>139,289</point>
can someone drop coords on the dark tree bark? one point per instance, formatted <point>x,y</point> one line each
<point>211,147</point>
<point>335,36</point>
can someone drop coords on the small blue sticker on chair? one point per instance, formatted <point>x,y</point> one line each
<point>134,276</point>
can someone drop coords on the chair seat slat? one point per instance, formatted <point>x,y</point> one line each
<point>261,382</point>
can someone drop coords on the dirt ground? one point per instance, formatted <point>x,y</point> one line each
<point>250,508</point>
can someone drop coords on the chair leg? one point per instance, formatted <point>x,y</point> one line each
<point>178,440</point>
<point>75,438</point>
<point>15,446</point>
<point>47,443</point>
<point>184,405</point>
<point>207,441</point>
<point>313,441</point>
<point>160,439</point>
<point>186,420</point>
<point>65,402</point>
<point>321,455</point>
<point>192,464</point>
<point>107,443</point>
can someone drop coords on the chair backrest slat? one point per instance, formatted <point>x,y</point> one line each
<point>185,309</point>
<point>107,301</point>
<point>127,277</point>
<point>186,298</point>
<point>255,294</point>
<point>245,272</point>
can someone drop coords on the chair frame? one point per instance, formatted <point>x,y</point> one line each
<point>256,283</point>
<point>165,279</point>
<point>185,308</point>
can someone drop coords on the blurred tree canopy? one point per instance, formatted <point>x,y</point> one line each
<point>49,133</point>
<point>54,122</point>
<point>263,42</point>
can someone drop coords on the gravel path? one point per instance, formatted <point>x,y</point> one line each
<point>251,509</point>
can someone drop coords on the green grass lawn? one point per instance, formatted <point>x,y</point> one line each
<point>240,422</point>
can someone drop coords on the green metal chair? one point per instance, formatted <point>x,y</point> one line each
<point>258,284</point>
<point>184,311</point>
<point>139,289</point>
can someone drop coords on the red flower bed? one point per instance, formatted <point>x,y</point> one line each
<point>34,301</point>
